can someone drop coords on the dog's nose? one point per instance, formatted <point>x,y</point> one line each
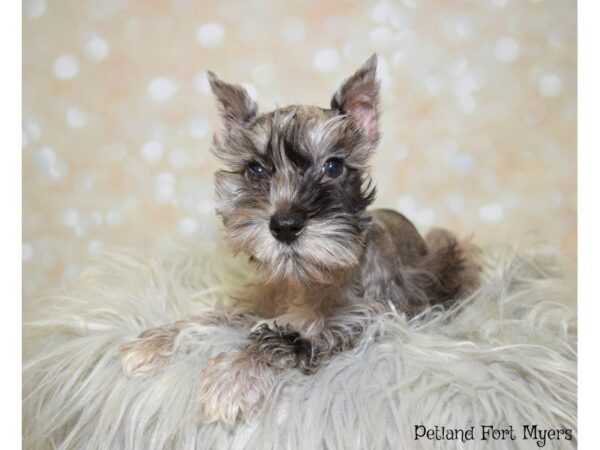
<point>286,227</point>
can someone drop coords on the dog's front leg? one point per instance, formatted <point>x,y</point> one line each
<point>234,385</point>
<point>154,347</point>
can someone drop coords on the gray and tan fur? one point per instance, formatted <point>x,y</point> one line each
<point>293,196</point>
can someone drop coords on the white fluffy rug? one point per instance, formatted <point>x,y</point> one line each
<point>504,357</point>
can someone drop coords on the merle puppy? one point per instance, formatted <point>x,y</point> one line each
<point>293,196</point>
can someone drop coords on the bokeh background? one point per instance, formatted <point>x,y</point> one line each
<point>479,118</point>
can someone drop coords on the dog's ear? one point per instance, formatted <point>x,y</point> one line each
<point>235,104</point>
<point>358,97</point>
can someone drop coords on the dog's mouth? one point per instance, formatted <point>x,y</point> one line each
<point>289,263</point>
<point>281,252</point>
<point>321,251</point>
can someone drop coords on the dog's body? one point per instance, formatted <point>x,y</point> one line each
<point>294,198</point>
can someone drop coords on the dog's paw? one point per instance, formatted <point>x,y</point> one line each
<point>233,386</point>
<point>150,351</point>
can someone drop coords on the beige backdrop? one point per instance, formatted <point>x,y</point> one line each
<point>479,116</point>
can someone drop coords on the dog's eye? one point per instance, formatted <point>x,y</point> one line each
<point>333,167</point>
<point>256,170</point>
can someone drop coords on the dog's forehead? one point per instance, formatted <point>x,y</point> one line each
<point>302,132</point>
<point>297,113</point>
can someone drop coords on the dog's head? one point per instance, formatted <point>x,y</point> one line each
<point>295,188</point>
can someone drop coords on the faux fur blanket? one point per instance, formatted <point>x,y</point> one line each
<point>505,357</point>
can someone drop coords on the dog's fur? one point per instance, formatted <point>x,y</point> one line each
<point>341,266</point>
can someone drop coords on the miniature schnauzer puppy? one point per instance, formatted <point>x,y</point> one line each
<point>293,196</point>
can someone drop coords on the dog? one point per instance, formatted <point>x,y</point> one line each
<point>293,196</point>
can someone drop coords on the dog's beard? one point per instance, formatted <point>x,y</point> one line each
<point>324,249</point>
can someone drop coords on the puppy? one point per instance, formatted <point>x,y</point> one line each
<point>293,196</point>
